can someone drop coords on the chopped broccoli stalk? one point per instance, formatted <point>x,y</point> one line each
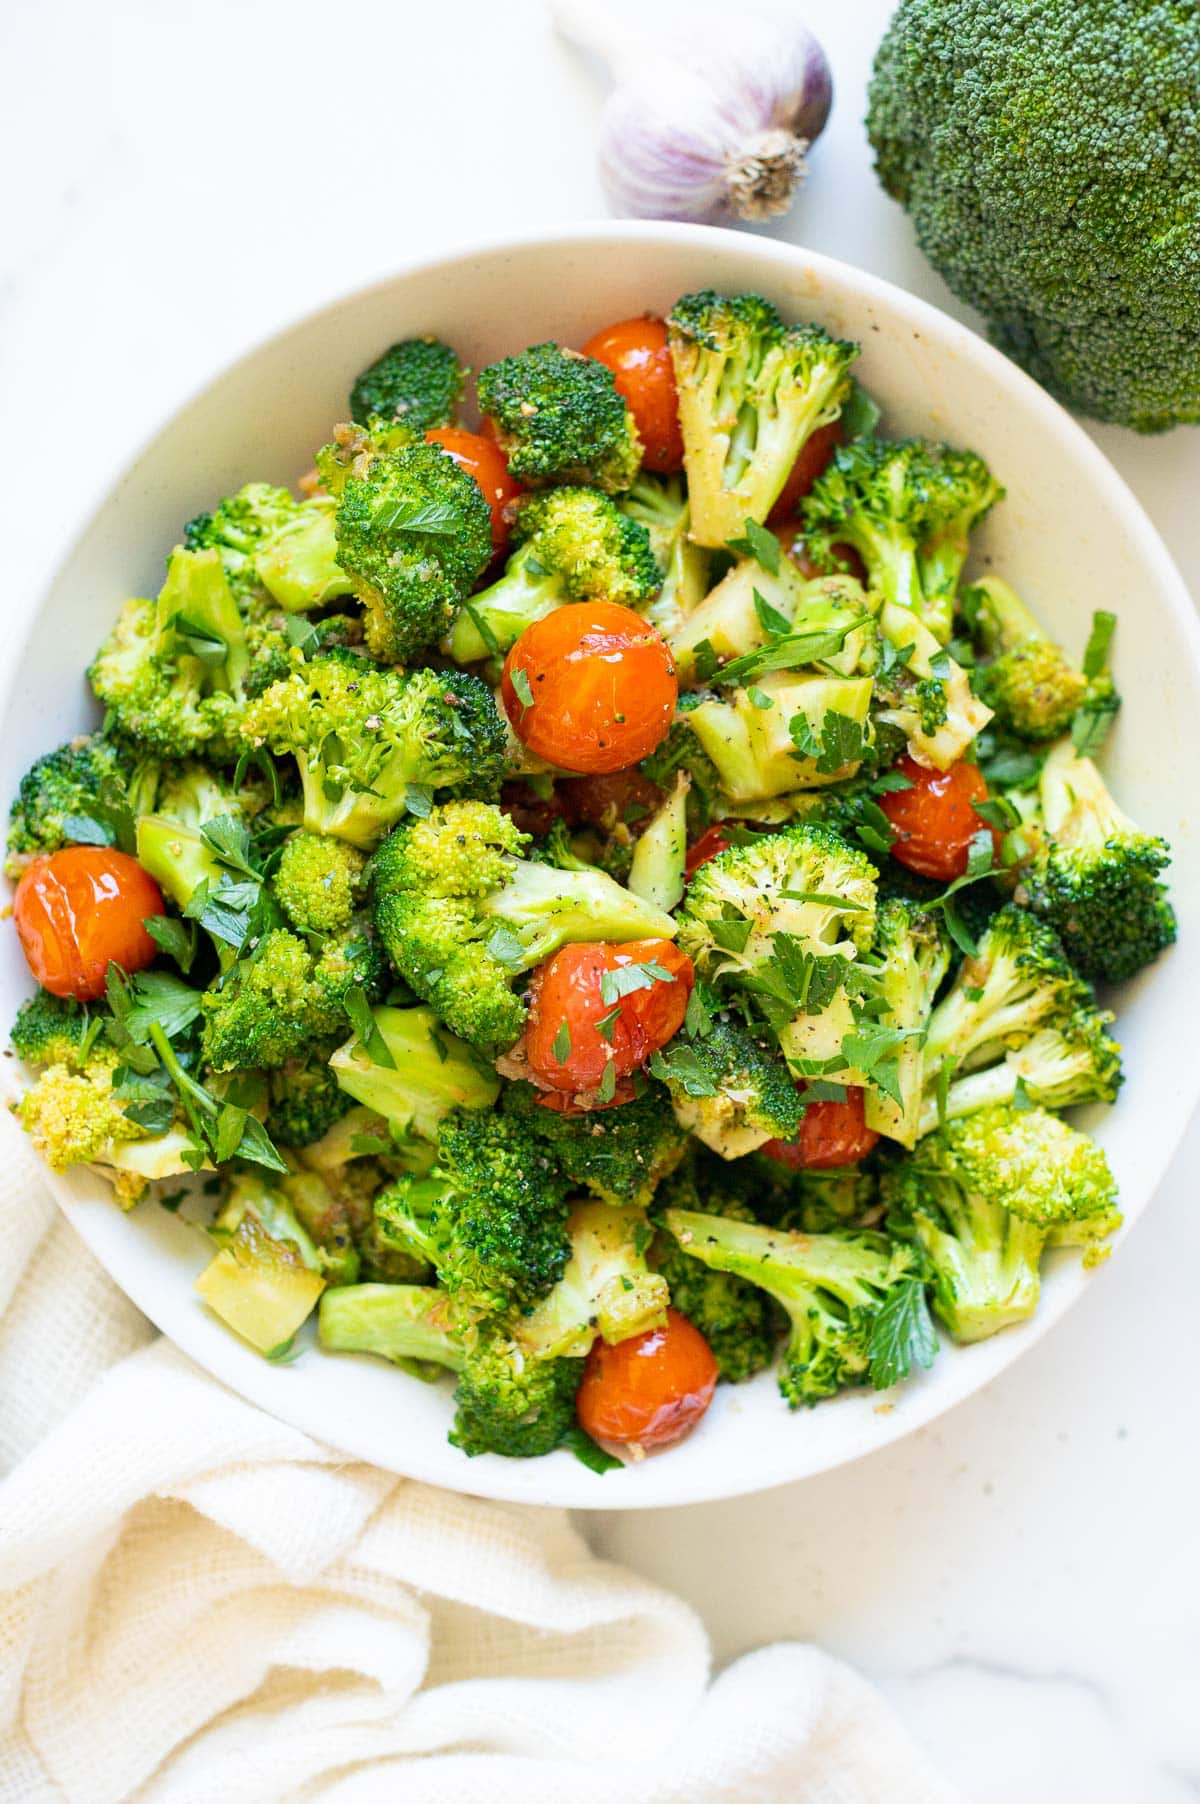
<point>606,1290</point>
<point>657,868</point>
<point>559,419</point>
<point>833,1288</point>
<point>265,1280</point>
<point>660,504</point>
<point>319,882</point>
<point>413,533</point>
<point>368,743</point>
<point>908,962</point>
<point>938,715</point>
<point>569,544</point>
<point>461,915</point>
<point>507,1404</point>
<point>400,1322</point>
<point>735,1092</point>
<point>87,791</point>
<point>418,381</point>
<point>735,1317</point>
<point>284,995</point>
<point>733,621</point>
<point>306,1100</point>
<point>752,392</point>
<point>787,731</point>
<point>620,1154</point>
<point>1097,880</point>
<point>1028,681</point>
<point>430,1073</point>
<point>171,842</point>
<point>51,1030</point>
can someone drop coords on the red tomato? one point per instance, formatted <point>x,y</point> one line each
<point>710,842</point>
<point>813,458</point>
<point>619,797</point>
<point>649,1390</point>
<point>80,910</point>
<point>831,1134</point>
<point>935,820</point>
<point>591,687</point>
<point>635,350</point>
<point>794,546</point>
<point>565,1046</point>
<point>483,459</point>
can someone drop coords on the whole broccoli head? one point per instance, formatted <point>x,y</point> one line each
<point>1046,156</point>
<point>284,995</point>
<point>571,544</point>
<point>413,533</point>
<point>620,1154</point>
<point>559,418</point>
<point>418,381</point>
<point>91,788</point>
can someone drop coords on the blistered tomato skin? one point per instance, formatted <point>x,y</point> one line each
<point>710,843</point>
<point>636,352</point>
<point>590,688</point>
<point>567,1048</point>
<point>650,1390</point>
<point>483,459</point>
<point>831,1134</point>
<point>934,820</point>
<point>80,910</point>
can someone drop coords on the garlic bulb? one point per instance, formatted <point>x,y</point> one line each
<point>711,130</point>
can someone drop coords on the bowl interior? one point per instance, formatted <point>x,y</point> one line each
<point>1069,536</point>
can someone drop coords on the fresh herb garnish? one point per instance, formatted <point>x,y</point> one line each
<point>760,544</point>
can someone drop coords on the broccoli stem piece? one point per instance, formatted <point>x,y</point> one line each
<point>423,1074</point>
<point>606,1289</point>
<point>400,1322</point>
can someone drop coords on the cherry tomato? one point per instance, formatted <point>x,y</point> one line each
<point>793,543</point>
<point>80,910</point>
<point>591,687</point>
<point>529,811</point>
<point>710,842</point>
<point>831,1134</point>
<point>813,458</point>
<point>481,457</point>
<point>566,1047</point>
<point>619,797</point>
<point>635,350</point>
<point>649,1390</point>
<point>935,820</point>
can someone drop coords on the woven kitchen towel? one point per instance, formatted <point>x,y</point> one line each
<point>199,1605</point>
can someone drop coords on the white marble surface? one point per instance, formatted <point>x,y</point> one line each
<point>1023,1578</point>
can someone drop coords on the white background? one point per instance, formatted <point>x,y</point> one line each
<point>1023,1578</point>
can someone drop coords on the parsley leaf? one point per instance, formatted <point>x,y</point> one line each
<point>577,1441</point>
<point>562,1043</point>
<point>760,544</point>
<point>1091,721</point>
<point>363,1022</point>
<point>606,1089</point>
<point>682,1065</point>
<point>408,514</point>
<point>1095,657</point>
<point>519,678</point>
<point>769,618</point>
<point>625,979</point>
<point>788,652</point>
<point>902,1334</point>
<point>175,938</point>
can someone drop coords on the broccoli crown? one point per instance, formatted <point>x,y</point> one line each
<point>461,914</point>
<point>752,391</point>
<point>71,1114</point>
<point>620,1154</point>
<point>1075,1061</point>
<point>607,1287</point>
<point>306,1099</point>
<point>490,1216</point>
<point>90,786</point>
<point>734,1316</point>
<point>413,533</point>
<point>284,995</point>
<point>559,418</point>
<point>319,882</point>
<point>1017,981</point>
<point>1045,1172</point>
<point>237,527</point>
<point>819,1201</point>
<point>735,1092</point>
<point>365,739</point>
<point>511,1405</point>
<point>907,963</point>
<point>1045,157</point>
<point>418,381</point>
<point>49,1030</point>
<point>1028,681</point>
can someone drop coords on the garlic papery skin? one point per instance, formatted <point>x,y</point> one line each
<point>713,133</point>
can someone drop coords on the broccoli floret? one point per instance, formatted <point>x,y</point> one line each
<point>171,842</point>
<point>620,1154</point>
<point>319,882</point>
<point>908,510</point>
<point>840,1292</point>
<point>559,418</point>
<point>1073,1062</point>
<point>1097,880</point>
<point>49,1030</point>
<point>236,528</point>
<point>789,730</point>
<point>461,914</point>
<point>819,1201</point>
<point>607,1289</point>
<point>734,1317</point>
<point>91,787</point>
<point>306,1100</point>
<point>490,1217</point>
<point>283,995</point>
<point>413,533</point>
<point>511,1405</point>
<point>73,1117</point>
<point>353,449</point>
<point>268,540</point>
<point>732,1090</point>
<point>368,743</point>
<point>939,715</point>
<point>1044,155</point>
<point>906,965</point>
<point>682,751</point>
<point>418,381</point>
<point>1028,681</point>
<point>430,1072</point>
<point>570,544</point>
<point>661,505</point>
<point>982,1195</point>
<point>752,392</point>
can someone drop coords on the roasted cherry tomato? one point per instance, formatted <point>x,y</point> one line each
<point>831,1134</point>
<point>80,910</point>
<point>935,820</point>
<point>635,350</point>
<point>710,842</point>
<point>617,798</point>
<point>792,540</point>
<point>649,1390</point>
<point>813,459</point>
<point>583,1017</point>
<point>591,687</point>
<point>482,458</point>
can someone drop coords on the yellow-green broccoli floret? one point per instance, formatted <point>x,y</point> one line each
<point>89,789</point>
<point>1027,680</point>
<point>319,882</point>
<point>731,1089</point>
<point>559,418</point>
<point>418,381</point>
<point>51,1030</point>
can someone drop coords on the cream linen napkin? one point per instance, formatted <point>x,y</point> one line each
<point>202,1606</point>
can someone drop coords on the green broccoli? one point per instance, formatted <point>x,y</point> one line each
<point>749,610</point>
<point>619,1154</point>
<point>819,1201</point>
<point>428,1074</point>
<point>306,1100</point>
<point>371,744</point>
<point>1028,681</point>
<point>418,381</point>
<point>938,714</point>
<point>507,1404</point>
<point>731,1089</point>
<point>89,791</point>
<point>660,504</point>
<point>319,882</point>
<point>570,544</point>
<point>1044,154</point>
<point>735,1317</point>
<point>237,526</point>
<point>905,967</point>
<point>73,1117</point>
<point>268,540</point>
<point>413,1325</point>
<point>1097,879</point>
<point>752,392</point>
<point>846,1296</point>
<point>607,1289</point>
<point>282,995</point>
<point>559,418</point>
<point>788,730</point>
<point>49,1030</point>
<point>180,843</point>
<point>413,533</point>
<point>353,449</point>
<point>461,915</point>
<point>1074,1061</point>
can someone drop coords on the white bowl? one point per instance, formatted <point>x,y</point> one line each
<point>1069,535</point>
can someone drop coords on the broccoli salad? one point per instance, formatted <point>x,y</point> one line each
<point>596,904</point>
